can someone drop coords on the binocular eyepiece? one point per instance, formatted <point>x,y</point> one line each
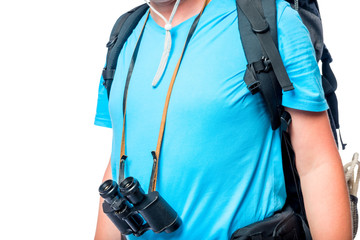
<point>134,212</point>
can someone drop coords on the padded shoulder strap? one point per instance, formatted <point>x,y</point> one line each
<point>254,13</point>
<point>119,34</point>
<point>265,70</point>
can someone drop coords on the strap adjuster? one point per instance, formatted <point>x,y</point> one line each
<point>112,42</point>
<point>267,63</point>
<point>108,74</point>
<point>254,87</point>
<point>285,121</point>
<point>262,65</point>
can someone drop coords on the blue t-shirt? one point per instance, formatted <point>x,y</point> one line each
<point>220,164</point>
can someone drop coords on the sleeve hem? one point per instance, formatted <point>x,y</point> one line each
<point>308,106</point>
<point>101,122</point>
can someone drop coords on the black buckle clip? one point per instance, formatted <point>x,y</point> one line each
<point>267,64</point>
<point>262,65</point>
<point>251,80</point>
<point>254,87</point>
<point>285,121</point>
<point>106,80</point>
<point>108,76</point>
<point>112,42</point>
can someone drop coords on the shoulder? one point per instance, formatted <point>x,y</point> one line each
<point>284,8</point>
<point>298,55</point>
<point>290,28</point>
<point>286,13</point>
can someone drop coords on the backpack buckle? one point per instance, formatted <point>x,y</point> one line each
<point>254,87</point>
<point>285,121</point>
<point>251,80</point>
<point>112,42</point>
<point>267,64</point>
<point>262,65</point>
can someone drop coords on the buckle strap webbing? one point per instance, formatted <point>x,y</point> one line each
<point>119,34</point>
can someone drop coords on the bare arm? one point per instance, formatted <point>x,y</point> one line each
<point>105,229</point>
<point>321,174</point>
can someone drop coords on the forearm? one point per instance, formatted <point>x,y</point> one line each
<point>105,229</point>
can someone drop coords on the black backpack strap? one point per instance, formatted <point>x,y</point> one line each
<point>261,28</point>
<point>266,74</point>
<point>265,70</point>
<point>329,84</point>
<point>122,29</point>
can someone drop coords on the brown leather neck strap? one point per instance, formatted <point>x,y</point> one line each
<point>156,153</point>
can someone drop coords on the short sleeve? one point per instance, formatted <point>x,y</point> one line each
<point>299,59</point>
<point>102,117</point>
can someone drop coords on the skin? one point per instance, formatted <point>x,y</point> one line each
<point>105,229</point>
<point>317,159</point>
<point>186,9</point>
<point>321,174</point>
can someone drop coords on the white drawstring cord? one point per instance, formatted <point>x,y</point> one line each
<point>167,44</point>
<point>352,181</point>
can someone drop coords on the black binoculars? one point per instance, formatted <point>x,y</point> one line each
<point>134,212</point>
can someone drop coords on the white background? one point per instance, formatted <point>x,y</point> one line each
<point>52,157</point>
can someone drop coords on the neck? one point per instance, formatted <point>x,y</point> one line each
<point>186,10</point>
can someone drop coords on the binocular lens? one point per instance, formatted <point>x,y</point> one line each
<point>109,190</point>
<point>132,190</point>
<point>106,186</point>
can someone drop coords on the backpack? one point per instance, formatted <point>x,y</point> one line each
<point>265,74</point>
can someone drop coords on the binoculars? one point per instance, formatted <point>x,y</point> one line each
<point>134,212</point>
